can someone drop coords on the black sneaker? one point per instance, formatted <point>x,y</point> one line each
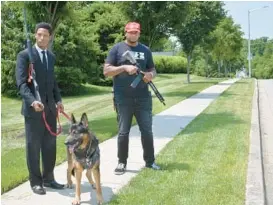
<point>121,168</point>
<point>153,166</point>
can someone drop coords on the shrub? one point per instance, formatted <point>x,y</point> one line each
<point>69,79</point>
<point>8,81</point>
<point>200,67</point>
<point>103,82</point>
<point>170,64</point>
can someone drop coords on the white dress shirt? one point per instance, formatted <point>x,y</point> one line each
<point>41,57</point>
<point>40,53</point>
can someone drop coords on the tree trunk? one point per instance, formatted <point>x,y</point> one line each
<point>225,69</point>
<point>229,68</point>
<point>219,68</point>
<point>207,63</point>
<point>188,67</point>
<point>50,45</point>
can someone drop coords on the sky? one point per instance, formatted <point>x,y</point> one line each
<point>261,21</point>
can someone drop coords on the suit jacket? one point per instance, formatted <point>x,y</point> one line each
<point>45,79</point>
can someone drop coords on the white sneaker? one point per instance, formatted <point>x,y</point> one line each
<point>121,168</point>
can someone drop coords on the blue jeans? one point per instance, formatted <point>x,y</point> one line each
<point>141,108</point>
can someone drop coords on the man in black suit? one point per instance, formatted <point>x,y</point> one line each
<point>38,138</point>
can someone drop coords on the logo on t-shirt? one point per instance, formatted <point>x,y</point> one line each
<point>138,55</point>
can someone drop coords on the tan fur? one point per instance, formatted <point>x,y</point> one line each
<point>85,141</point>
<point>73,164</point>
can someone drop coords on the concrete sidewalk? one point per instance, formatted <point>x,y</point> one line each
<point>166,125</point>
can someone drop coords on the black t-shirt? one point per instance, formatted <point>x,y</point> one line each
<point>123,80</point>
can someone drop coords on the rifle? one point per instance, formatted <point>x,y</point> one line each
<point>140,75</point>
<point>32,74</point>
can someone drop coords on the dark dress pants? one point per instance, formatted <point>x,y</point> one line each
<point>39,140</point>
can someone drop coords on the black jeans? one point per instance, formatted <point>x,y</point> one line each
<point>141,108</point>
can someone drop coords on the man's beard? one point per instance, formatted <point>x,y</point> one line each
<point>131,41</point>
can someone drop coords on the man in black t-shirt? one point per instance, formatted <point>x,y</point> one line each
<point>132,101</point>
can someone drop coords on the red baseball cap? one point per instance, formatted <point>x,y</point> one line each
<point>132,26</point>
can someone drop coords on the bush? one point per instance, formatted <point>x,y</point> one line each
<point>163,64</point>
<point>8,80</point>
<point>262,68</point>
<point>199,67</point>
<point>69,79</point>
<point>103,82</point>
<point>170,64</point>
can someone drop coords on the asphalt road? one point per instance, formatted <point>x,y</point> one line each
<point>266,122</point>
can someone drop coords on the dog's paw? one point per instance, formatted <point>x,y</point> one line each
<point>69,186</point>
<point>76,201</point>
<point>99,202</point>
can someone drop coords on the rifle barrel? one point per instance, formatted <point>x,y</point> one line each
<point>29,49</point>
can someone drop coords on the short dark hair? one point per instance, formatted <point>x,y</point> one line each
<point>44,25</point>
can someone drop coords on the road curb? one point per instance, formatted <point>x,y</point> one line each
<point>255,193</point>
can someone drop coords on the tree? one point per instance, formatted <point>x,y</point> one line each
<point>48,11</point>
<point>107,22</point>
<point>228,42</point>
<point>258,46</point>
<point>12,28</point>
<point>163,44</point>
<point>83,40</point>
<point>154,17</point>
<point>262,65</point>
<point>201,19</point>
<point>12,41</point>
<point>207,46</point>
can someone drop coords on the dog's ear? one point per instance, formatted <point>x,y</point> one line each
<point>73,120</point>
<point>84,120</point>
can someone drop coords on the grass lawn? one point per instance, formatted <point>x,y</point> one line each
<point>98,106</point>
<point>206,163</point>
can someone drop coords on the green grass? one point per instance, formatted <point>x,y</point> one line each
<point>102,120</point>
<point>204,164</point>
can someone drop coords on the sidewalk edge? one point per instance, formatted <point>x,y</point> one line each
<point>255,193</point>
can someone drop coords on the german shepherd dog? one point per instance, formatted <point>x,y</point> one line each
<point>83,153</point>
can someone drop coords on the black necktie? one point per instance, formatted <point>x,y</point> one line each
<point>44,60</point>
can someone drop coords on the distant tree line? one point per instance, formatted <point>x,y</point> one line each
<point>83,33</point>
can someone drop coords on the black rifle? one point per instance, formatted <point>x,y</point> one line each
<point>31,71</point>
<point>128,56</point>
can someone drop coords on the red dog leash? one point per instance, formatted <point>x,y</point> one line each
<point>30,78</point>
<point>58,119</point>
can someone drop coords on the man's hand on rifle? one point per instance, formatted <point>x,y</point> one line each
<point>130,69</point>
<point>148,76</point>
